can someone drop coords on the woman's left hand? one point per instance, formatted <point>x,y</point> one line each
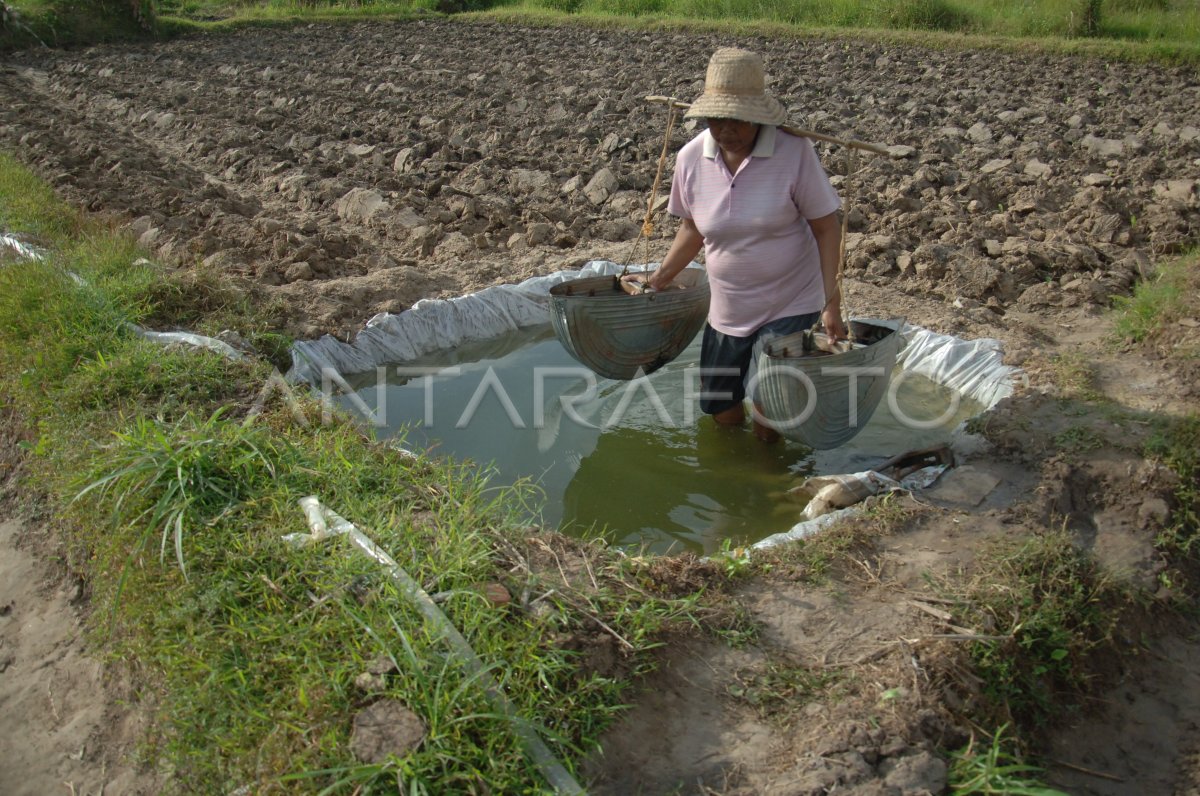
<point>831,319</point>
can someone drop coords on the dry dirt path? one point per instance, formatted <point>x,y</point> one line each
<point>62,718</point>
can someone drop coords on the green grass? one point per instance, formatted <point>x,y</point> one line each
<point>67,23</point>
<point>1157,317</point>
<point>1127,30</point>
<point>1177,444</point>
<point>780,689</point>
<point>1162,30</point>
<point>1049,605</point>
<point>1143,21</point>
<point>1079,439</point>
<point>173,500</point>
<point>1154,312</point>
<point>1074,376</point>
<point>31,209</point>
<point>994,770</point>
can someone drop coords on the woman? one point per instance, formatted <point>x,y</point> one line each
<point>757,200</point>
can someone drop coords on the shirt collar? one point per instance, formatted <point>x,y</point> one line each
<point>764,145</point>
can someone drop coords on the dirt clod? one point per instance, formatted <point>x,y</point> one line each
<point>385,728</point>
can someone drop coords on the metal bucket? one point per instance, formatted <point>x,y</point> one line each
<point>822,399</point>
<point>618,335</point>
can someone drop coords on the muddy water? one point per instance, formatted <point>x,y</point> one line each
<point>636,460</point>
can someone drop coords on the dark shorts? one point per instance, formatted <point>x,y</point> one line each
<point>725,360</point>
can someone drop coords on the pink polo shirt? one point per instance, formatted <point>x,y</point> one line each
<point>760,253</point>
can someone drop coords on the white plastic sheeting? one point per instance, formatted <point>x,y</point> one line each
<point>865,484</point>
<point>23,250</point>
<point>437,324</point>
<point>827,493</point>
<point>27,252</point>
<point>187,339</point>
<point>973,368</point>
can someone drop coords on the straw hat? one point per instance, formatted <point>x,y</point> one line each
<point>735,88</point>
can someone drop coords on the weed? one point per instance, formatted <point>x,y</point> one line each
<point>734,623</point>
<point>1178,445</point>
<point>1075,377</point>
<point>780,687</point>
<point>1152,315</point>
<point>735,561</point>
<point>1077,439</point>
<point>890,512</point>
<point>1049,606</point>
<point>30,207</point>
<point>171,479</point>
<point>994,771</point>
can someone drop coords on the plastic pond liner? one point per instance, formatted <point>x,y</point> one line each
<point>483,378</point>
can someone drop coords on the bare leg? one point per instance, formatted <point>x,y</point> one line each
<point>733,416</point>
<point>736,416</point>
<point>763,432</point>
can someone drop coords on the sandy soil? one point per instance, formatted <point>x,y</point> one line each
<point>66,724</point>
<point>343,171</point>
<point>65,712</point>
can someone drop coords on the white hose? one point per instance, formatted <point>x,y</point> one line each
<point>325,523</point>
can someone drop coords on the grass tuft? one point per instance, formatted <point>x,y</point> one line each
<point>780,688</point>
<point>1048,605</point>
<point>171,479</point>
<point>994,770</point>
<point>30,207</point>
<point>1178,446</point>
<point>1163,310</point>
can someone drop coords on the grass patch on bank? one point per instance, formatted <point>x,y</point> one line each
<point>1048,606</point>
<point>31,210</point>
<point>1163,316</point>
<point>73,23</point>
<point>1178,446</point>
<point>174,474</point>
<point>1147,30</point>
<point>1164,311</point>
<point>1021,28</point>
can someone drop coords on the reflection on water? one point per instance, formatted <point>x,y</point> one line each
<point>690,488</point>
<point>636,459</point>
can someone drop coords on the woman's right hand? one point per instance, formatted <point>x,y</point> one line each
<point>645,280</point>
<point>835,327</point>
